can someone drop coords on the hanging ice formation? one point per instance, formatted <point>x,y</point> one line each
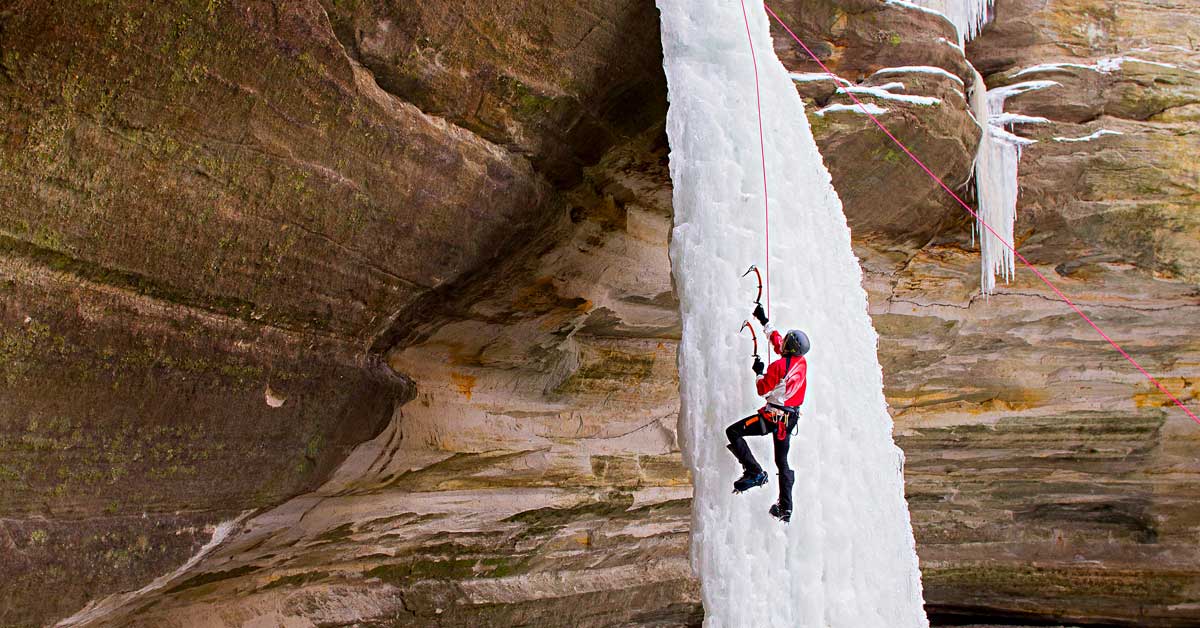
<point>996,176</point>
<point>847,560</point>
<point>968,16</point>
<point>999,150</point>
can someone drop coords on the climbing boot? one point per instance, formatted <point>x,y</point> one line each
<point>749,480</point>
<point>782,514</point>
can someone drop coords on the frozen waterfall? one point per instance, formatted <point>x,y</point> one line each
<point>847,560</point>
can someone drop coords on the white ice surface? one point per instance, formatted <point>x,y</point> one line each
<point>847,560</point>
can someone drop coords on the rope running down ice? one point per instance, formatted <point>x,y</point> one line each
<point>945,187</point>
<point>762,149</point>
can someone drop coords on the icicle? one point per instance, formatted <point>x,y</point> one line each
<point>996,179</point>
<point>967,16</point>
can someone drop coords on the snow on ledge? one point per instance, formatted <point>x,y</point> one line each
<point>955,45</point>
<point>864,108</point>
<point>1000,94</point>
<point>1103,66</point>
<point>813,77</point>
<point>920,69</point>
<point>1088,138</point>
<point>912,5</point>
<point>1009,119</point>
<point>1051,67</point>
<point>881,93</point>
<point>1004,137</point>
<point>1115,63</point>
<point>887,87</point>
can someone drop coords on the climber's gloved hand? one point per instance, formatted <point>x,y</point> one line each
<point>758,367</point>
<point>760,314</point>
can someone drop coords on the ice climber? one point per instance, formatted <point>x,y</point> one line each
<point>783,384</point>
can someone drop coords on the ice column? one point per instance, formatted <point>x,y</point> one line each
<point>847,560</point>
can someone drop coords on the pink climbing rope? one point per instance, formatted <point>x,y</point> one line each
<point>945,187</point>
<point>762,149</point>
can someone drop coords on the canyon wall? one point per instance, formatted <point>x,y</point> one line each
<point>391,282</point>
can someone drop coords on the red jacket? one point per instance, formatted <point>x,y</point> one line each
<point>786,379</point>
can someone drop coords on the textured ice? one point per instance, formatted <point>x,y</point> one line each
<point>847,560</point>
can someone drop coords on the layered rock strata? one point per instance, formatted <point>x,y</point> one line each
<point>212,211</point>
<point>1086,519</point>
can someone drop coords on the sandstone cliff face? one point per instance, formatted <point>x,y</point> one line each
<point>235,235</point>
<point>441,232</point>
<point>1046,476</point>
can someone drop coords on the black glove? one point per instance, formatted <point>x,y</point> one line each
<point>760,314</point>
<point>758,367</point>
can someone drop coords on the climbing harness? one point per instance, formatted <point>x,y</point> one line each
<point>938,180</point>
<point>779,417</point>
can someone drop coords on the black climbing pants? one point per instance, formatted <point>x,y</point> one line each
<point>757,425</point>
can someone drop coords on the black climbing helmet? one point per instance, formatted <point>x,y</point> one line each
<point>796,343</point>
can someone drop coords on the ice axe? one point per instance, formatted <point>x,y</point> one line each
<point>753,336</point>
<point>754,269</point>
